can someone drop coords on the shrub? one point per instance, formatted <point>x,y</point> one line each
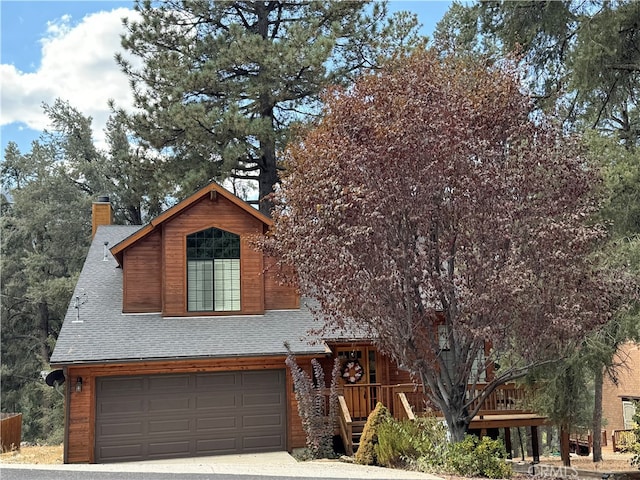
<point>318,417</point>
<point>423,444</point>
<point>422,441</point>
<point>635,446</point>
<point>473,458</point>
<point>366,453</point>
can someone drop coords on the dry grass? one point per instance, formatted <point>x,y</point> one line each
<point>46,455</point>
<point>612,462</point>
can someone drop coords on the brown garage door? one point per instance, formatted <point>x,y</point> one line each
<point>171,416</point>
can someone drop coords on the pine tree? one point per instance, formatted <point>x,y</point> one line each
<point>220,83</point>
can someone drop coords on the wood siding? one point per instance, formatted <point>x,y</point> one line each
<point>142,276</point>
<point>81,418</point>
<point>627,387</point>
<point>80,444</point>
<point>154,267</point>
<point>276,295</point>
<point>397,376</point>
<point>206,213</point>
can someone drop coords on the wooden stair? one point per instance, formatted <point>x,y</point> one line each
<point>356,433</point>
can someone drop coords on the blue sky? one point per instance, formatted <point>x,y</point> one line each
<point>51,49</point>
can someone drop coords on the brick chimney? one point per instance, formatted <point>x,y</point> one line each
<point>101,214</point>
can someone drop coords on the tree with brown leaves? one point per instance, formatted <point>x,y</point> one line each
<point>432,208</point>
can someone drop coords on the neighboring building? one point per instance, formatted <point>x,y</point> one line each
<point>173,344</point>
<point>618,399</point>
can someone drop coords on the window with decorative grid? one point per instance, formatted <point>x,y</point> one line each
<point>213,271</point>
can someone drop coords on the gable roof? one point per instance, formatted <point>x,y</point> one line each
<point>118,249</point>
<point>106,335</point>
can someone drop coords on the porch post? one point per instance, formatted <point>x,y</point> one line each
<point>507,442</point>
<point>535,446</point>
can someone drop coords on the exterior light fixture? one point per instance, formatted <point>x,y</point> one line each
<point>79,385</point>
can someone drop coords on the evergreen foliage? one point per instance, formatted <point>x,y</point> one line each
<point>412,443</point>
<point>582,61</point>
<point>366,453</point>
<point>582,58</point>
<point>635,448</point>
<point>220,83</point>
<point>423,444</point>
<point>473,457</point>
<point>563,392</point>
<point>46,231</point>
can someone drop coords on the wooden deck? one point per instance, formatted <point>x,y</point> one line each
<point>504,408</point>
<point>507,420</point>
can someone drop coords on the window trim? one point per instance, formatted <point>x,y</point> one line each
<point>212,261</point>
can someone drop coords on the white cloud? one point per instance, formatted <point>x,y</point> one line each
<point>77,65</point>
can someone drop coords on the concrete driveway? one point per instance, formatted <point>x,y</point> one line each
<point>267,464</point>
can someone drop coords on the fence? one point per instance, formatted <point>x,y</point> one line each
<point>10,431</point>
<point>622,439</point>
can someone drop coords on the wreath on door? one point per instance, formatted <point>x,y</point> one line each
<point>352,371</point>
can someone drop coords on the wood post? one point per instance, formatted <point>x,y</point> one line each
<point>535,444</point>
<point>507,442</point>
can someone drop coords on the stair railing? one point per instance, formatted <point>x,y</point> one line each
<point>402,407</point>
<point>346,425</point>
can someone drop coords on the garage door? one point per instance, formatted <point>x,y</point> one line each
<point>171,416</point>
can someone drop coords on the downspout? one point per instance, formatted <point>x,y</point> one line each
<point>67,410</point>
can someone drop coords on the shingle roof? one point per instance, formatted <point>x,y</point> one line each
<point>105,334</point>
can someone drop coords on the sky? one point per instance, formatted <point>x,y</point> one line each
<point>64,49</point>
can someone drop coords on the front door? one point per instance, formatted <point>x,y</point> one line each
<point>358,377</point>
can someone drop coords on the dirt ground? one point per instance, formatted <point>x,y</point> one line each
<point>612,462</point>
<point>46,455</point>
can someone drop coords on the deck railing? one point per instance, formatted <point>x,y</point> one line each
<point>406,401</point>
<point>622,439</point>
<point>402,407</point>
<point>362,399</point>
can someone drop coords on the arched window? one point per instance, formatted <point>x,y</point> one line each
<point>213,271</point>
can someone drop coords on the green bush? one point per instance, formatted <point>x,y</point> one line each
<point>478,458</point>
<point>422,444</point>
<point>366,453</point>
<point>407,443</point>
<point>635,447</point>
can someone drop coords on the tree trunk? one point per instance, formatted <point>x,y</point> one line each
<point>564,446</point>
<point>596,426</point>
<point>548,438</point>
<point>43,331</point>
<point>456,415</point>
<point>521,444</point>
<point>268,160</point>
<point>457,428</point>
<point>268,178</point>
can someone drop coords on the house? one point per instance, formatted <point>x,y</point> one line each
<point>173,343</point>
<point>618,398</point>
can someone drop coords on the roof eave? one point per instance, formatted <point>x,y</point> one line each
<point>118,250</point>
